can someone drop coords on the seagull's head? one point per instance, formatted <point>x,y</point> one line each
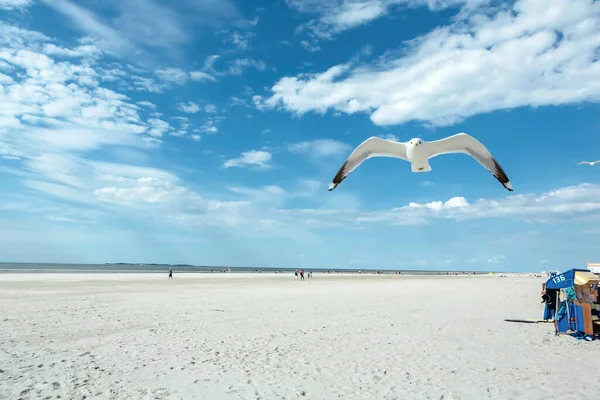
<point>415,142</point>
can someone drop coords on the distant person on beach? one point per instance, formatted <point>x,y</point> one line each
<point>171,273</point>
<point>302,275</point>
<point>296,274</point>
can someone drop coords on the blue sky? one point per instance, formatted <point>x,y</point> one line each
<point>208,131</point>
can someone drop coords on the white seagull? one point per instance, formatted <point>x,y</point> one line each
<point>590,163</point>
<point>418,152</point>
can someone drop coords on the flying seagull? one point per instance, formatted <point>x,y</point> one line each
<point>590,163</point>
<point>418,152</point>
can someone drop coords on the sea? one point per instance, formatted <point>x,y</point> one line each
<point>179,268</point>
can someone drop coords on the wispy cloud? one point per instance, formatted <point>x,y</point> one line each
<point>335,16</point>
<point>310,46</point>
<point>236,66</point>
<point>15,4</point>
<point>174,75</point>
<point>389,136</point>
<point>320,148</point>
<point>487,260</point>
<point>239,40</point>
<point>190,107</point>
<point>178,76</point>
<point>148,104</point>
<point>139,25</point>
<point>201,76</point>
<point>88,22</point>
<point>259,159</point>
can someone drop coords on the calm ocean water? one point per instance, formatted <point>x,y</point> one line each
<point>129,268</point>
<point>99,268</point>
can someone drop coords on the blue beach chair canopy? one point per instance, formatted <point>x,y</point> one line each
<point>564,280</point>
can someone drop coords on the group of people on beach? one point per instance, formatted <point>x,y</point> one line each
<point>301,273</point>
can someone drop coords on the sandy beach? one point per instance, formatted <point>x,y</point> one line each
<point>268,336</point>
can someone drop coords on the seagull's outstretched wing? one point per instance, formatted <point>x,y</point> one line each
<point>372,147</point>
<point>463,143</point>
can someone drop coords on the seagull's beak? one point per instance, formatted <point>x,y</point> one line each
<point>416,144</point>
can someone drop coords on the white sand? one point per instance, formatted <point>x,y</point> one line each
<point>262,336</point>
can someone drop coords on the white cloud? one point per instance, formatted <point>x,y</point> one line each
<point>253,158</point>
<point>570,203</point>
<point>259,102</point>
<point>531,54</point>
<point>389,136</point>
<point>87,21</point>
<point>147,104</point>
<point>335,16</point>
<point>496,259</point>
<point>142,84</point>
<point>143,190</point>
<point>15,4</point>
<point>238,66</point>
<point>234,67</point>
<point>173,75</point>
<point>140,27</point>
<point>85,51</point>
<point>320,147</point>
<point>61,106</point>
<point>237,101</point>
<point>210,61</point>
<point>190,107</point>
<point>271,195</point>
<point>310,46</point>
<point>209,127</point>
<point>211,124</point>
<point>487,260</point>
<point>70,220</point>
<point>201,76</point>
<point>240,40</point>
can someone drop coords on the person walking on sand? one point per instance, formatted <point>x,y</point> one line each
<point>296,275</point>
<point>171,273</point>
<point>302,275</point>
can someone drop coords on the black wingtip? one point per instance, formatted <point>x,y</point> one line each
<point>339,177</point>
<point>501,176</point>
